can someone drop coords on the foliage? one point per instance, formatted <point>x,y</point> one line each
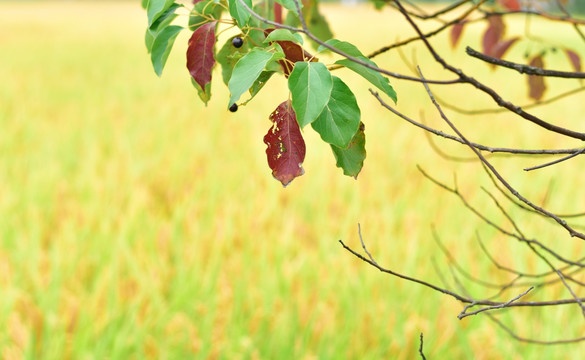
<point>317,97</point>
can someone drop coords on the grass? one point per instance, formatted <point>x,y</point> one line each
<point>137,223</point>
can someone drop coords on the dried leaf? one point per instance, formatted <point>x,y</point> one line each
<point>456,32</point>
<point>536,85</point>
<point>286,147</point>
<point>501,47</point>
<point>575,59</point>
<point>200,55</point>
<point>493,34</point>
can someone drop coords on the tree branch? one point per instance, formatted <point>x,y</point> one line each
<point>524,69</point>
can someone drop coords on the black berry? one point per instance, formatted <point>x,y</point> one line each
<point>237,42</point>
<point>234,108</point>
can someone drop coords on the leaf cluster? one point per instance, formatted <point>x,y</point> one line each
<point>317,97</point>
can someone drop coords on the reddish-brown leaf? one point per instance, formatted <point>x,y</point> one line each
<point>200,55</point>
<point>456,32</point>
<point>286,147</point>
<point>501,47</point>
<point>293,53</point>
<point>536,85</point>
<point>277,13</point>
<point>512,5</point>
<point>575,59</point>
<point>493,34</point>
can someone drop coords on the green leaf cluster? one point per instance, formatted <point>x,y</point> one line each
<point>318,98</point>
<point>160,35</point>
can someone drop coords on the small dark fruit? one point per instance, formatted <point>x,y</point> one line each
<point>234,108</point>
<point>237,42</point>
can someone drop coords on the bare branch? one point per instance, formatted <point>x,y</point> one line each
<point>464,314</point>
<point>489,91</point>
<point>524,69</point>
<point>504,110</point>
<point>475,145</point>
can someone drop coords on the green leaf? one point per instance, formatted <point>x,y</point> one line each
<point>340,119</point>
<point>144,3</point>
<point>239,12</point>
<point>149,40</point>
<point>162,22</point>
<point>155,8</point>
<point>310,85</point>
<point>351,159</point>
<point>204,95</point>
<point>283,35</point>
<point>290,5</point>
<point>379,4</point>
<point>247,70</point>
<point>161,47</point>
<point>229,55</point>
<point>292,19</point>
<point>202,11</point>
<point>374,77</point>
<point>259,83</point>
<point>165,18</point>
<point>346,47</point>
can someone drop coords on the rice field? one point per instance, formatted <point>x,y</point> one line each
<point>136,223</point>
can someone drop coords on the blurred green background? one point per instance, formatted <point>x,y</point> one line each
<point>136,223</point>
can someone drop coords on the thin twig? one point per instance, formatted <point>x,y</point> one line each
<point>465,314</point>
<point>556,161</point>
<point>475,145</point>
<point>532,341</point>
<point>420,349</point>
<point>504,110</point>
<point>522,68</point>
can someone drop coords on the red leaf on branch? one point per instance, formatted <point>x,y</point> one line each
<point>493,34</point>
<point>456,32</point>
<point>512,5</point>
<point>200,55</point>
<point>286,147</point>
<point>293,53</point>
<point>536,84</point>
<point>575,59</point>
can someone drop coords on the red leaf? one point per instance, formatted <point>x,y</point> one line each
<point>512,5</point>
<point>277,13</point>
<point>493,34</point>
<point>501,47</point>
<point>286,147</point>
<point>293,53</point>
<point>536,84</point>
<point>200,56</point>
<point>456,32</point>
<point>575,59</point>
